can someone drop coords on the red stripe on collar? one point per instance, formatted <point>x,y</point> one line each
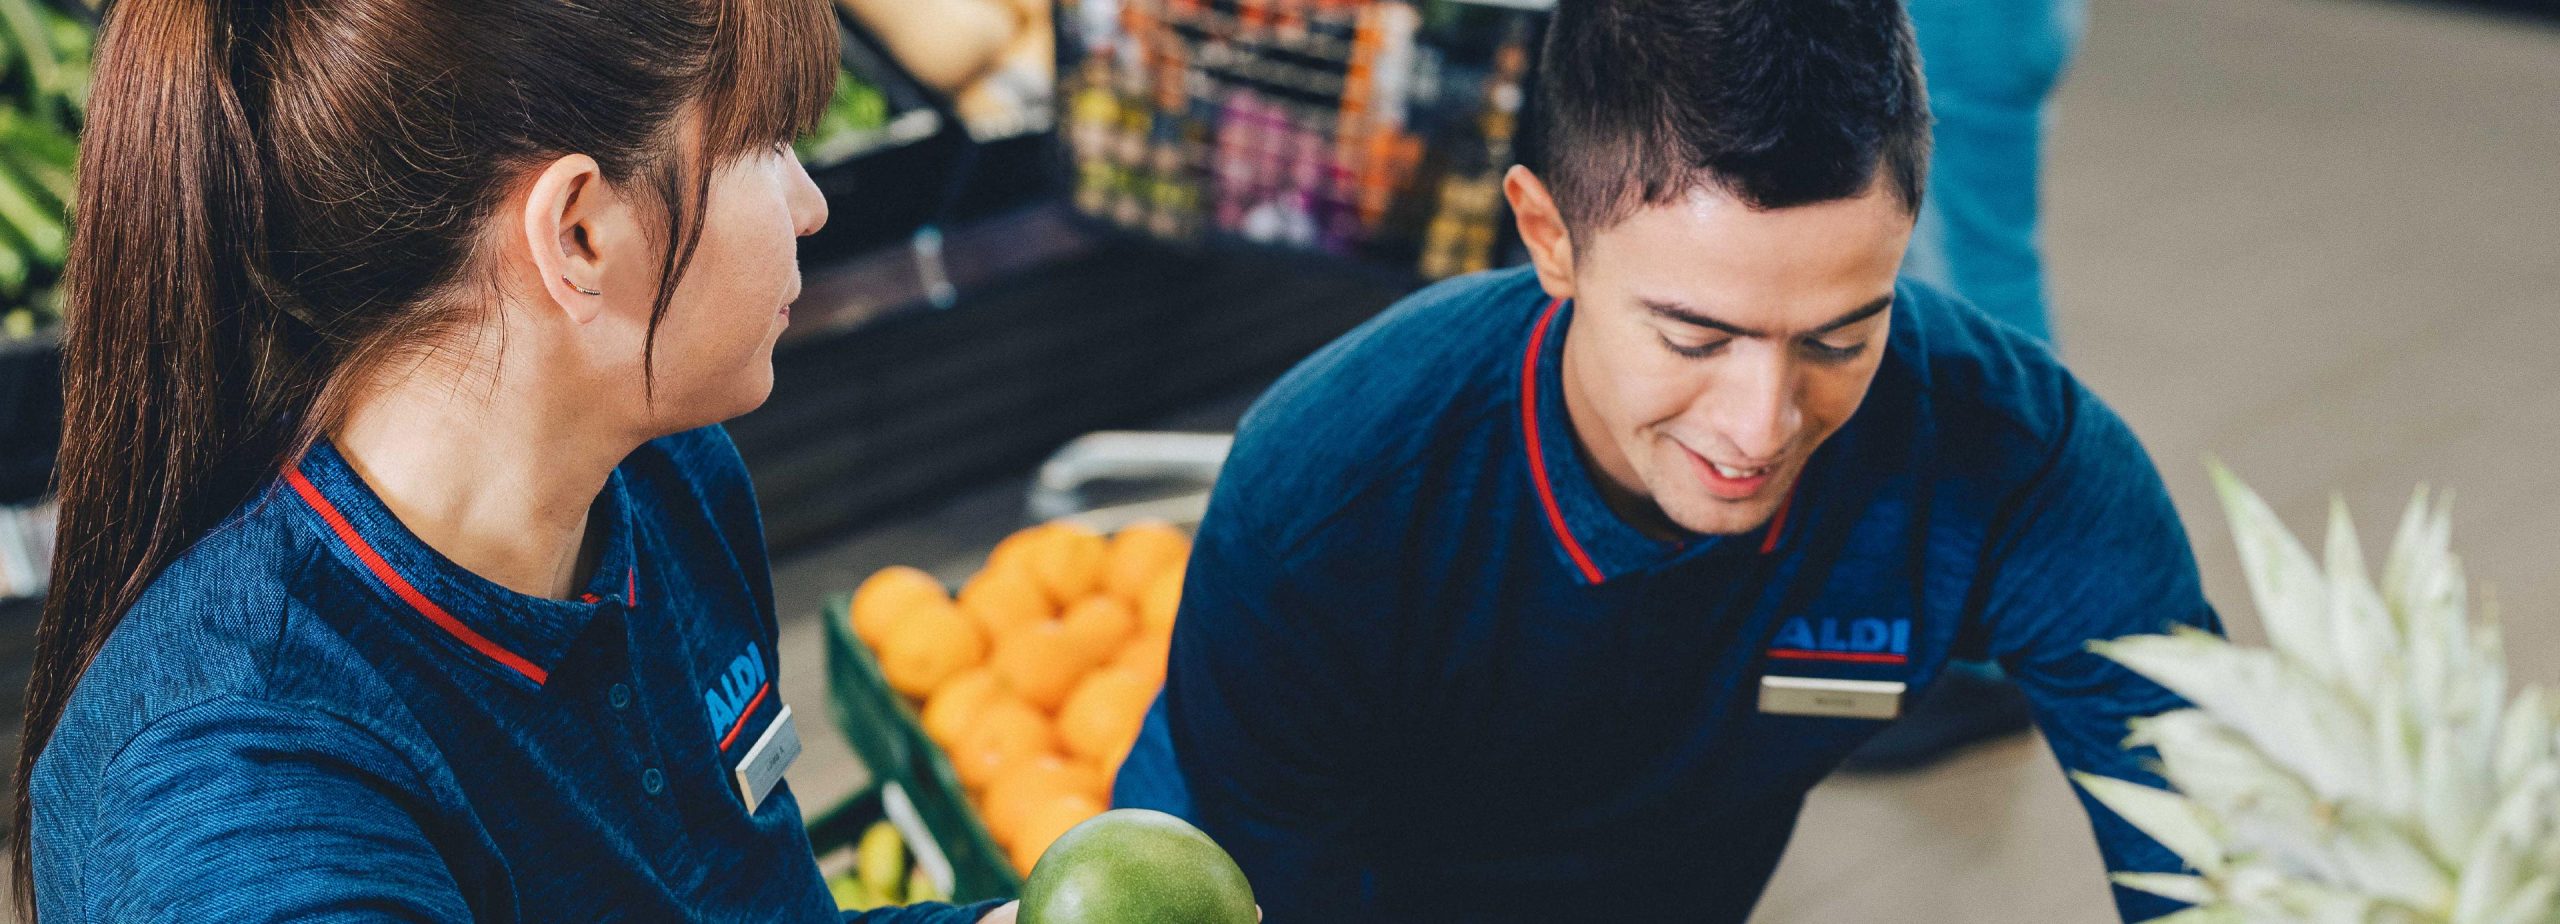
<point>401,587</point>
<point>1778,523</point>
<point>1537,453</point>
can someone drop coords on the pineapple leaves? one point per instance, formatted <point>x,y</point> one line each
<point>2369,765</point>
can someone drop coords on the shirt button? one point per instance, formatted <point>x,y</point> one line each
<point>653,781</point>
<point>620,696</point>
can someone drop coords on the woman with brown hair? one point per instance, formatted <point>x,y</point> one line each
<point>405,573</point>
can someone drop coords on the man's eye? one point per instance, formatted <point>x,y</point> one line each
<point>1699,351</point>
<point>1834,354</point>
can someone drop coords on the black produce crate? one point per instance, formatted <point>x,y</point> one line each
<point>30,416</point>
<point>904,410</point>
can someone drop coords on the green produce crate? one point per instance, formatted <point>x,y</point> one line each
<point>910,769</point>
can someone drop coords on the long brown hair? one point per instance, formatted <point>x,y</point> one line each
<point>277,195</point>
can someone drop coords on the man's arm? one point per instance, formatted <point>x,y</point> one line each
<point>2093,549</point>
<point>1266,726</point>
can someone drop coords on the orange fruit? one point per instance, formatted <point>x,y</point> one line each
<point>1099,624</point>
<point>1009,552</point>
<point>928,646</point>
<point>1162,599</point>
<point>1139,552</point>
<point>1012,798</point>
<point>1100,720</point>
<point>955,705</point>
<point>1005,598</point>
<point>1068,560</point>
<point>1008,733</point>
<point>889,594</point>
<point>1045,822</point>
<point>1042,663</point>
<point>1146,655</point>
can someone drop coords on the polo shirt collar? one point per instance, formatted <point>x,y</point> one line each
<point>515,634</point>
<point>1596,544</point>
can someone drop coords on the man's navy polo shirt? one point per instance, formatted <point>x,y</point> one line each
<point>312,715</point>
<point>1422,672</point>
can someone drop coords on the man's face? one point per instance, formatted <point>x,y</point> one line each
<point>1714,347</point>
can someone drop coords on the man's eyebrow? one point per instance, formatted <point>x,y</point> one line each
<point>1868,310</point>
<point>1675,311</point>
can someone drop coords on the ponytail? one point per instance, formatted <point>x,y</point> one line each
<point>185,382</point>
<point>276,198</point>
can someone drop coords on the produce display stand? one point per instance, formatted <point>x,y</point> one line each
<point>913,784</point>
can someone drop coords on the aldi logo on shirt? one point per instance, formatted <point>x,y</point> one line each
<point>737,694</point>
<point>1871,640</point>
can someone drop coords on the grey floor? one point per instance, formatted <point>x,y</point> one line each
<point>2318,239</point>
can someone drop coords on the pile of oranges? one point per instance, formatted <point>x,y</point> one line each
<point>1034,680</point>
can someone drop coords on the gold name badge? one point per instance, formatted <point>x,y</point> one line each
<point>1830,698</point>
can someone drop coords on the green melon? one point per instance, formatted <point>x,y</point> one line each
<point>1133,866</point>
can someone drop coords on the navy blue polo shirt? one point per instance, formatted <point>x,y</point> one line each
<point>1422,672</point>
<point>312,715</point>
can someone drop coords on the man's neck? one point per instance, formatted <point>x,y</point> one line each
<point>1611,473</point>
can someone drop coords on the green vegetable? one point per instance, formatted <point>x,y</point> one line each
<point>13,274</point>
<point>41,228</point>
<point>26,30</point>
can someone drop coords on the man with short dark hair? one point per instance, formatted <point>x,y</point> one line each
<point>1559,587</point>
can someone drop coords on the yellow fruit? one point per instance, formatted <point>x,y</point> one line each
<point>955,705</point>
<point>1100,720</point>
<point>1012,798</point>
<point>1099,625</point>
<point>1045,823</point>
<point>1004,598</point>
<point>1162,598</point>
<point>1042,663</point>
<point>1008,732</point>
<point>889,594</point>
<point>1068,560</point>
<point>1139,552</point>
<point>929,645</point>
<point>1146,655</point>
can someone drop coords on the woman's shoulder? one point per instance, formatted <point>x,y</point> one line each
<point>213,625</point>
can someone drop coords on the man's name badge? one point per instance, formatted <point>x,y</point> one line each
<point>1831,698</point>
<point>773,753</point>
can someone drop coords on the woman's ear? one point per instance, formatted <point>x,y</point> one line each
<point>1542,228</point>
<point>573,230</point>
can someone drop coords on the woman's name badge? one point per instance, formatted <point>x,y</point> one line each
<point>1831,698</point>
<point>773,752</point>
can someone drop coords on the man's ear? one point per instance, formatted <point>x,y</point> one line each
<point>571,228</point>
<point>1533,210</point>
